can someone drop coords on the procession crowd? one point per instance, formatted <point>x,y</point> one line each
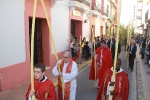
<point>102,67</point>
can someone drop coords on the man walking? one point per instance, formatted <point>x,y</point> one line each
<point>66,77</point>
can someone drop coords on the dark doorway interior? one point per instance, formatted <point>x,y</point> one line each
<point>73,28</point>
<point>38,53</point>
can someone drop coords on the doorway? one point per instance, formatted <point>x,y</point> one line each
<point>38,52</point>
<point>72,28</point>
<point>76,29</point>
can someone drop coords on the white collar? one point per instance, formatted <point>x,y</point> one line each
<point>44,79</point>
<point>121,70</point>
<point>65,63</point>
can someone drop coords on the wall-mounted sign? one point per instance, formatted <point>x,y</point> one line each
<point>145,26</point>
<point>76,13</point>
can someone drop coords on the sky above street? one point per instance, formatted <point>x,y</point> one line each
<point>127,11</point>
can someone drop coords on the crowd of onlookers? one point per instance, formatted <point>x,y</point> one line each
<point>144,44</point>
<point>83,49</point>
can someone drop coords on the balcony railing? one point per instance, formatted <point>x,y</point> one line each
<point>86,2</point>
<point>105,11</point>
<point>113,2</point>
<point>97,6</point>
<point>146,15</point>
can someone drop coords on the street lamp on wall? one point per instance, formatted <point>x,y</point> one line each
<point>85,21</point>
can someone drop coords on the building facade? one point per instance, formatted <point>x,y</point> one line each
<point>142,21</point>
<point>67,17</point>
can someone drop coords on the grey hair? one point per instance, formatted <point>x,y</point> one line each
<point>69,53</point>
<point>133,40</point>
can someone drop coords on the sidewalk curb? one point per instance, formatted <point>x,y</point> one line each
<point>140,92</point>
<point>80,69</point>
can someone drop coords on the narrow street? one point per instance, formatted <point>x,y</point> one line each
<point>41,31</point>
<point>87,90</point>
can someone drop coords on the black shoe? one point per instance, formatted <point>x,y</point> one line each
<point>132,70</point>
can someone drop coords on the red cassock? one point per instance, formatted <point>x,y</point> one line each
<point>92,70</point>
<point>44,90</point>
<point>106,63</point>
<point>121,89</point>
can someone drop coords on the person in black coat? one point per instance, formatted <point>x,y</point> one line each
<point>82,45</point>
<point>87,50</point>
<point>132,54</point>
<point>148,47</point>
<point>108,42</point>
<point>73,51</point>
<point>143,48</point>
<point>97,43</point>
<point>113,48</point>
<point>125,43</point>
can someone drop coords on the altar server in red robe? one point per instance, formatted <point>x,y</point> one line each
<point>103,62</point>
<point>121,84</point>
<point>43,87</point>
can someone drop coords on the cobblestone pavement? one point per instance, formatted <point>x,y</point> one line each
<point>139,84</point>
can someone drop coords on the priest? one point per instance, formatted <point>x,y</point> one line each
<point>121,84</point>
<point>103,62</point>
<point>66,77</point>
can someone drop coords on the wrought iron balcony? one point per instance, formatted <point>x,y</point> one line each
<point>97,6</point>
<point>79,5</point>
<point>146,14</point>
<point>112,2</point>
<point>86,2</point>
<point>105,11</point>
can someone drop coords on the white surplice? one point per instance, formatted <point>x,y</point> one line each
<point>66,77</point>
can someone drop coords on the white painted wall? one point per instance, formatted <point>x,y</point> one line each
<point>60,25</point>
<point>86,28</point>
<point>105,4</point>
<point>148,7</point>
<point>97,27</point>
<point>12,32</point>
<point>104,27</point>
